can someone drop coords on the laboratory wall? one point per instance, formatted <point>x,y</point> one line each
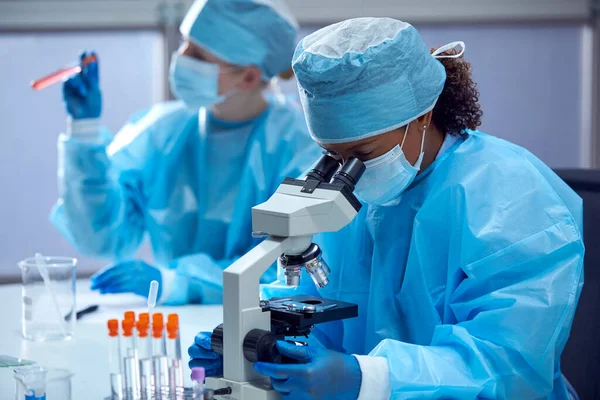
<point>530,78</point>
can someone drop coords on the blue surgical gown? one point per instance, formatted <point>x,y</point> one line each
<point>184,179</point>
<point>468,286</point>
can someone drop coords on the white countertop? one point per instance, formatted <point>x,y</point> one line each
<point>86,355</point>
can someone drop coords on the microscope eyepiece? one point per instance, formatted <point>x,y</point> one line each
<point>349,173</point>
<point>324,169</point>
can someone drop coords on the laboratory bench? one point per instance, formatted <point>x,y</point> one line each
<point>86,354</point>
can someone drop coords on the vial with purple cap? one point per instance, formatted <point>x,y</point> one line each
<point>198,376</point>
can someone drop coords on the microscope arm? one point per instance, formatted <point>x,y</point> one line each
<point>241,303</point>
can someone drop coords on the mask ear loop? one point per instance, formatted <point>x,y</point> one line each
<point>405,134</point>
<point>422,137</point>
<point>439,52</point>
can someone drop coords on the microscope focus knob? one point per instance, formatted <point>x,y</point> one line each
<point>261,345</point>
<point>217,340</point>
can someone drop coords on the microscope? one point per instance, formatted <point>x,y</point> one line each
<point>321,202</point>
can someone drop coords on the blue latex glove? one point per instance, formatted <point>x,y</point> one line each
<point>127,277</point>
<point>81,93</point>
<point>321,374</point>
<point>202,355</point>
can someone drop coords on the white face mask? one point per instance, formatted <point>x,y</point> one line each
<point>195,82</point>
<point>387,176</point>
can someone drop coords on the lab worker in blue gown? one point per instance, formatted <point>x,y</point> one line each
<point>466,260</point>
<point>186,173</point>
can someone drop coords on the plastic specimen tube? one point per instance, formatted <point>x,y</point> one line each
<point>174,354</point>
<point>198,376</point>
<point>114,360</point>
<point>61,74</point>
<point>130,360</point>
<point>145,356</point>
<point>159,356</point>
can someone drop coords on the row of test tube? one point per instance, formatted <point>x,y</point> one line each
<point>145,358</point>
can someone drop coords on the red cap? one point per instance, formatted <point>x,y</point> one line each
<point>157,325</point>
<point>113,327</point>
<point>144,316</point>
<point>127,325</point>
<point>130,315</point>
<point>156,317</point>
<point>157,330</point>
<point>172,330</point>
<point>142,327</point>
<point>173,317</point>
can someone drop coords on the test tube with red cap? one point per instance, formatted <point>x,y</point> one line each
<point>130,359</point>
<point>173,336</point>
<point>62,74</point>
<point>114,360</point>
<point>174,354</point>
<point>145,355</point>
<point>159,354</point>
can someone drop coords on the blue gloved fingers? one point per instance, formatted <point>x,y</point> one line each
<point>280,371</point>
<point>75,86</point>
<point>281,385</point>
<point>203,339</point>
<point>303,354</point>
<point>89,72</point>
<point>109,274</point>
<point>196,351</point>
<point>210,364</point>
<point>83,55</point>
<point>116,275</point>
<point>210,370</point>
<point>111,289</point>
<point>121,280</point>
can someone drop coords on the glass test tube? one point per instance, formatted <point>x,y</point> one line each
<point>159,354</point>
<point>174,354</point>
<point>114,360</point>
<point>130,360</point>
<point>145,357</point>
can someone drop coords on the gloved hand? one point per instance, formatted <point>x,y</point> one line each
<point>202,355</point>
<point>81,93</point>
<point>127,277</point>
<point>321,374</point>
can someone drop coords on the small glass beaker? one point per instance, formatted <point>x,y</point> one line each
<point>31,383</point>
<point>36,383</point>
<point>48,305</point>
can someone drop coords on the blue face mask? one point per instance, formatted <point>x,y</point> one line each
<point>387,176</point>
<point>194,82</point>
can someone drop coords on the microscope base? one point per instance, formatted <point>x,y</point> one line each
<point>259,390</point>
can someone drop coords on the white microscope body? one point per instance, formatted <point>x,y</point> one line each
<point>298,210</point>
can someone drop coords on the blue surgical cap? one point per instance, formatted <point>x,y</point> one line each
<point>364,77</point>
<point>244,32</point>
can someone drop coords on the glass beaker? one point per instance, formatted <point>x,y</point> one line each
<point>58,384</point>
<point>31,383</point>
<point>48,305</point>
<point>37,383</point>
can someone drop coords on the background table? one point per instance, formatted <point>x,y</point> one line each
<point>86,355</point>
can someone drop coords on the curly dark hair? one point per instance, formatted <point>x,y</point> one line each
<point>458,106</point>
